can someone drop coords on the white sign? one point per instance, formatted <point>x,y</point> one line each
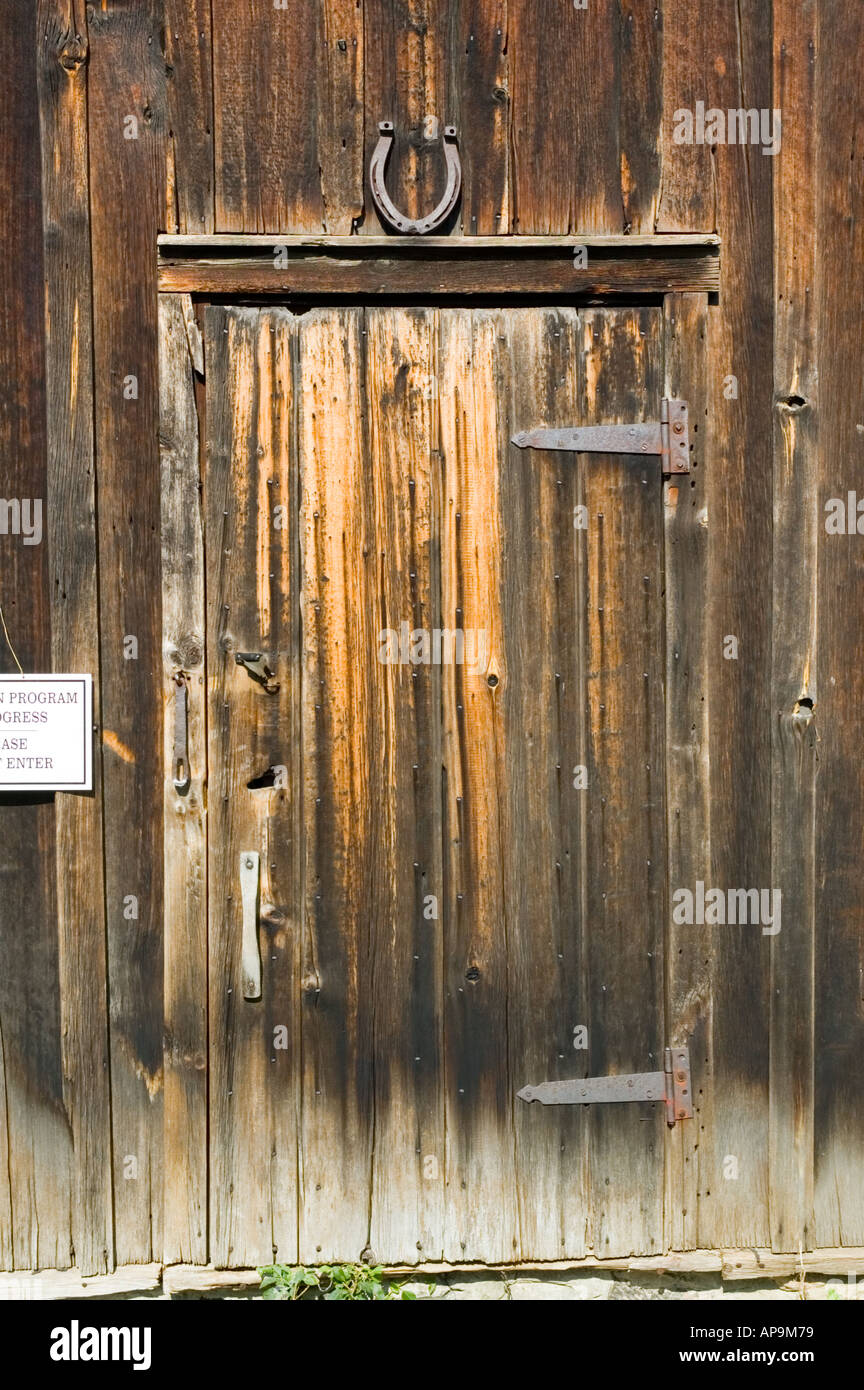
<point>46,733</point>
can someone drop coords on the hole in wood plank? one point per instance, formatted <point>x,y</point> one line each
<point>263,780</point>
<point>803,711</point>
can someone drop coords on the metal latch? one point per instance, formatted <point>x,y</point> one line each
<point>259,669</point>
<point>672,1086</point>
<point>669,437</point>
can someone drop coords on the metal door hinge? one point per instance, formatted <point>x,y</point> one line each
<point>672,1086</point>
<point>669,437</point>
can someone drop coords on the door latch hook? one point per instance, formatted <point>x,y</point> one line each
<point>259,669</point>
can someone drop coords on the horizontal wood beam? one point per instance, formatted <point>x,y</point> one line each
<point>134,1280</point>
<point>438,266</point>
<point>130,1281</point>
<point>200,243</point>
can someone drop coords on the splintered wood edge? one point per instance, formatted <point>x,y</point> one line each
<point>732,1265</point>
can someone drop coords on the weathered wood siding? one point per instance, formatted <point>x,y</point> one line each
<point>837,684</point>
<point>125,141</point>
<point>566,127</point>
<point>36,1184</point>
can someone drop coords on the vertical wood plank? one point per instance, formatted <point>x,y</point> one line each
<point>252,606</point>
<point>794,675</point>
<point>430,64</point>
<point>189,142</point>
<point>480,1096</point>
<point>288,116</point>
<point>39,1178</point>
<point>62,55</point>
<point>404,82</point>
<point>407,947</point>
<point>691,1160</point>
<point>35,1222</point>
<point>343,787</point>
<point>185,861</point>
<point>626,832</point>
<point>341,59</point>
<point>565,90</point>
<point>540,697</point>
<point>478,105</point>
<point>640,114</point>
<point>839,958</point>
<point>264,118</point>
<point>126,104</point>
<point>688,189</point>
<point>715,55</point>
<point>7,1223</point>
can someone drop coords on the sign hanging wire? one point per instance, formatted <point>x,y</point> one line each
<point>9,642</point>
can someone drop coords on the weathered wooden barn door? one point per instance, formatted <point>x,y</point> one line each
<point>436,742</point>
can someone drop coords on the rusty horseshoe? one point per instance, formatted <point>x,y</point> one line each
<point>384,203</point>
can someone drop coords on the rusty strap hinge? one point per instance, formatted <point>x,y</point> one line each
<point>672,1086</point>
<point>669,437</point>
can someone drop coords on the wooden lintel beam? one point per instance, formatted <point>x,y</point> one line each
<point>436,266</point>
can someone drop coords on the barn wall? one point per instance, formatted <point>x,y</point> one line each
<point>220,117</point>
